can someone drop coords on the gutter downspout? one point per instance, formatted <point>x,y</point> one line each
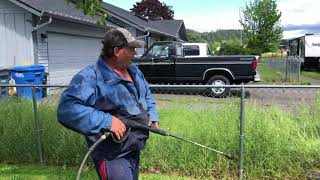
<point>43,24</point>
<point>148,33</point>
<point>145,37</point>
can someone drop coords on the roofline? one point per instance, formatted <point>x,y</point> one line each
<point>53,14</point>
<point>177,33</point>
<point>87,22</point>
<point>70,18</point>
<point>294,38</point>
<point>179,27</point>
<point>181,22</point>
<point>124,20</point>
<point>26,7</point>
<point>159,32</point>
<point>137,25</point>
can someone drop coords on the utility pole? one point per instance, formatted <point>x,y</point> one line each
<point>240,25</point>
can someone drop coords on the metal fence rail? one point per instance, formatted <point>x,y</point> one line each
<point>287,97</point>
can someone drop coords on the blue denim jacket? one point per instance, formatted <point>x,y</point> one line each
<point>90,87</point>
<point>94,92</point>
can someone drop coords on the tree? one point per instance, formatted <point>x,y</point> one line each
<point>214,45</point>
<point>231,47</point>
<point>261,25</point>
<point>91,8</point>
<point>153,10</point>
<point>194,36</point>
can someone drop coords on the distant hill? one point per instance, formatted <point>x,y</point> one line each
<point>219,35</point>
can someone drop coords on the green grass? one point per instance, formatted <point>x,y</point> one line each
<point>277,144</point>
<point>311,74</point>
<point>38,172</point>
<point>270,76</point>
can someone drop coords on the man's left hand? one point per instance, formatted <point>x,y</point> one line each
<point>154,124</point>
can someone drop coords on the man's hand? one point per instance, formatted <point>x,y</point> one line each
<point>154,124</point>
<point>118,128</point>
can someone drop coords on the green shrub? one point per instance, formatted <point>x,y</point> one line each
<point>231,47</point>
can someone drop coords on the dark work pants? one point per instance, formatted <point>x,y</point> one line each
<point>124,168</point>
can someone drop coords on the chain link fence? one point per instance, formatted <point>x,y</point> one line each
<point>241,109</point>
<point>289,66</point>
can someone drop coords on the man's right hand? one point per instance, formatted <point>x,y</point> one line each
<point>118,128</point>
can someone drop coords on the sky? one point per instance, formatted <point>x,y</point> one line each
<point>298,16</point>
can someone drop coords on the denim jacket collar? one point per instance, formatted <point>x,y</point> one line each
<point>108,75</point>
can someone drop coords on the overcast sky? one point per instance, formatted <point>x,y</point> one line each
<point>298,16</point>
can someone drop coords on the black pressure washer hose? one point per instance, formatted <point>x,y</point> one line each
<point>132,124</point>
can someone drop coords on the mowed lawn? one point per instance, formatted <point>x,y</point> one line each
<point>38,172</point>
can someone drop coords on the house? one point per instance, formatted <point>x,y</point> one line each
<point>60,37</point>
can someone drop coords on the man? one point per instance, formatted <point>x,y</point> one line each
<point>100,95</point>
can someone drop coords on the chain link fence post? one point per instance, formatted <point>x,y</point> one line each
<point>299,68</point>
<point>286,76</point>
<point>37,124</point>
<point>242,101</point>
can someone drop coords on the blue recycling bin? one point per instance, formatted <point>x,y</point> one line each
<point>32,74</point>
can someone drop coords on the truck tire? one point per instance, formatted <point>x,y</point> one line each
<point>219,92</point>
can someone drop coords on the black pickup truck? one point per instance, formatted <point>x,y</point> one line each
<point>164,62</point>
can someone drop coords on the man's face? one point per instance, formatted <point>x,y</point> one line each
<point>125,55</point>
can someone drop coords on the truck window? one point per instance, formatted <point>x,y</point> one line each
<point>179,50</point>
<point>191,50</point>
<point>158,51</point>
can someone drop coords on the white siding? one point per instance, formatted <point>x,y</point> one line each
<point>16,44</point>
<point>42,49</point>
<point>70,53</point>
<point>47,54</point>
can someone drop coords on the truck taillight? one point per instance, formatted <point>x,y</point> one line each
<point>254,65</point>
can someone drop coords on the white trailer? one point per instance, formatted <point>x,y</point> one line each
<point>307,48</point>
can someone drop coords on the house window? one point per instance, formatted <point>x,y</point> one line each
<point>191,50</point>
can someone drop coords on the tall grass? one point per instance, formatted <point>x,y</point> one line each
<point>269,75</point>
<point>18,136</point>
<point>277,144</point>
<point>311,74</point>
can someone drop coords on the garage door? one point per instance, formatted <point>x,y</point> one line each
<point>70,53</point>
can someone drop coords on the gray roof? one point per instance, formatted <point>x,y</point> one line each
<point>169,26</point>
<point>59,9</point>
<point>124,14</point>
<point>67,11</point>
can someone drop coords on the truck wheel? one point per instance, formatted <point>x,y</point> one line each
<point>219,92</point>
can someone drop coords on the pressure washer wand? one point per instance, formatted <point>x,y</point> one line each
<point>227,155</point>
<point>133,124</point>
